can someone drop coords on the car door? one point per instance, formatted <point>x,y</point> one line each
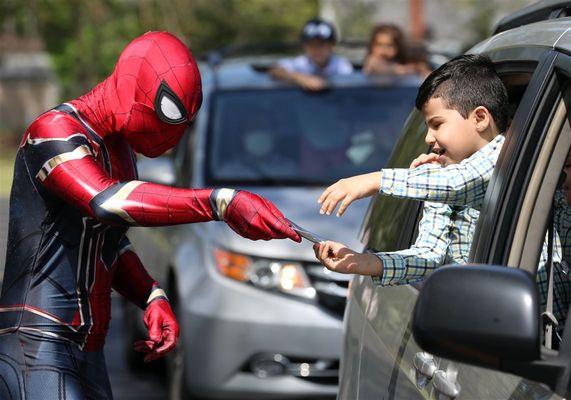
<point>386,335</point>
<point>375,321</point>
<point>522,157</point>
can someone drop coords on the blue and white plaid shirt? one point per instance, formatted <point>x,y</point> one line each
<point>444,237</point>
<point>446,230</point>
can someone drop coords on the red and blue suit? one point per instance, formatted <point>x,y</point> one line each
<point>75,193</point>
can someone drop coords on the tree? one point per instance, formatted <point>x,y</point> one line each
<point>86,37</point>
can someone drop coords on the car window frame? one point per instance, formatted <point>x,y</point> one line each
<point>535,160</point>
<point>532,222</point>
<point>503,196</point>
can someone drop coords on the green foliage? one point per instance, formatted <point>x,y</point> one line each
<point>356,21</point>
<point>85,37</point>
<point>484,16</point>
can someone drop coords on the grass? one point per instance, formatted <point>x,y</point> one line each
<point>6,172</point>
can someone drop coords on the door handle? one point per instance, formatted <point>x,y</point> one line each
<point>445,383</point>
<point>424,368</point>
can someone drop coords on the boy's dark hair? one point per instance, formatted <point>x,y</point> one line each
<point>467,82</point>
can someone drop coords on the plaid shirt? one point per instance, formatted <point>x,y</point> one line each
<point>444,237</point>
<point>446,231</point>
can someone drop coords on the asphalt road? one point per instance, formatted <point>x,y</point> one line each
<point>125,384</point>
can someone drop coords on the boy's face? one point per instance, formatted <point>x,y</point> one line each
<point>318,51</point>
<point>451,136</point>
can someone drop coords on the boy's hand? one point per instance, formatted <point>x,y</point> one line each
<point>430,158</point>
<point>339,258</point>
<point>347,191</point>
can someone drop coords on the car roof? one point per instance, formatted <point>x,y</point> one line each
<point>252,73</point>
<point>540,11</point>
<point>551,34</point>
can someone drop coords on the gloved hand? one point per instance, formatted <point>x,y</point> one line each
<point>250,215</point>
<point>163,330</point>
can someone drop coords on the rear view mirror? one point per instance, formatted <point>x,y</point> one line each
<point>480,314</point>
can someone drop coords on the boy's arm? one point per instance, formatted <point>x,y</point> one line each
<point>399,267</point>
<point>426,254</point>
<point>458,184</point>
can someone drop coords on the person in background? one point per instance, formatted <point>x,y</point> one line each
<point>388,53</point>
<point>318,61</point>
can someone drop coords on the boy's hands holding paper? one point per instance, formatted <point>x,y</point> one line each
<point>339,258</point>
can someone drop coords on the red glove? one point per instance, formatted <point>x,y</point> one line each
<point>163,330</point>
<point>250,215</point>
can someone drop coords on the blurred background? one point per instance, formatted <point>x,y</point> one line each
<point>54,50</point>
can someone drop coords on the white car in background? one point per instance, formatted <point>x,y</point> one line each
<point>264,319</point>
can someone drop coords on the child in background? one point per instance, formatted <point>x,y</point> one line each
<point>389,53</point>
<point>318,62</point>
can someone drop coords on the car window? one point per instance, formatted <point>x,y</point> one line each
<point>292,136</point>
<point>384,228</point>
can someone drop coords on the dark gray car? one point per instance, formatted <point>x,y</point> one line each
<point>264,319</point>
<point>481,320</point>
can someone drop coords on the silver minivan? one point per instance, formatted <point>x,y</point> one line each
<point>264,319</point>
<point>475,331</point>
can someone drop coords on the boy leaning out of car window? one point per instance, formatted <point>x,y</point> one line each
<point>464,104</point>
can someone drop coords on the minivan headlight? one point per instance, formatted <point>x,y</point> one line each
<point>284,276</point>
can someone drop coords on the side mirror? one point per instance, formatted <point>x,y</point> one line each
<point>480,314</point>
<point>157,170</point>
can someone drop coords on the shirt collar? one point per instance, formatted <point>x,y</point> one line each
<point>317,70</point>
<point>489,150</point>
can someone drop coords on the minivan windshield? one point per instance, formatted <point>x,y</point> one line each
<point>288,136</point>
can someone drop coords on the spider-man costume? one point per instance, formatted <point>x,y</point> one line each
<point>75,193</point>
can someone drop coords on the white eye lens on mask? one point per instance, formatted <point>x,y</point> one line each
<point>168,106</point>
<point>169,109</point>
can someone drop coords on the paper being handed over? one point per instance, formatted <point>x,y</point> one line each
<point>312,237</point>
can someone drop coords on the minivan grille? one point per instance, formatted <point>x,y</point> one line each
<point>332,287</point>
